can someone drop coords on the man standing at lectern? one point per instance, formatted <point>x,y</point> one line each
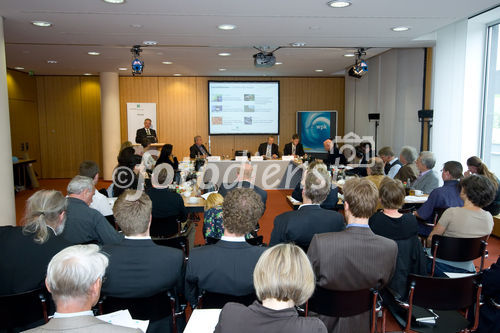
<point>146,132</point>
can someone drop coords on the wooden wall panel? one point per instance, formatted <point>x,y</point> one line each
<point>91,119</point>
<point>23,112</point>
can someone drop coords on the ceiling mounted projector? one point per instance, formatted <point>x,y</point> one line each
<point>264,58</point>
<point>360,68</point>
<point>137,62</point>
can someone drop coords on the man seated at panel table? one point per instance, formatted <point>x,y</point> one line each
<point>442,197</point>
<point>294,148</point>
<point>84,224</point>
<point>74,278</point>
<point>334,155</point>
<point>227,266</point>
<point>392,163</point>
<point>198,149</point>
<point>299,226</point>
<point>137,266</point>
<point>244,180</point>
<point>146,132</point>
<point>269,149</point>
<point>428,179</point>
<point>409,171</point>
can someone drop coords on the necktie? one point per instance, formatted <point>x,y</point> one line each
<point>147,131</point>
<point>203,151</point>
<point>268,152</point>
<point>293,149</point>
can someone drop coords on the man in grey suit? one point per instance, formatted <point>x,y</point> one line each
<point>353,259</point>
<point>74,278</point>
<point>427,180</point>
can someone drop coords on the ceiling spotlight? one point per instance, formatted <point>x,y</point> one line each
<point>150,42</point>
<point>115,2</point>
<point>93,53</point>
<point>177,74</point>
<point>122,68</point>
<point>227,27</point>
<point>87,74</point>
<point>339,3</point>
<point>52,61</point>
<point>224,54</point>
<point>298,44</point>
<point>279,63</point>
<point>222,69</point>
<point>19,68</point>
<point>41,23</point>
<point>349,55</point>
<point>166,62</point>
<point>400,29</point>
<point>318,70</point>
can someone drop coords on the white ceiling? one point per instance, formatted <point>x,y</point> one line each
<point>188,36</point>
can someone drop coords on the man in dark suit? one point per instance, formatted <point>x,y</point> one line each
<point>269,149</point>
<point>244,173</point>
<point>74,278</point>
<point>137,266</point>
<point>353,259</point>
<point>198,149</point>
<point>146,132</point>
<point>85,224</point>
<point>334,156</point>
<point>299,226</point>
<point>294,148</point>
<point>227,266</point>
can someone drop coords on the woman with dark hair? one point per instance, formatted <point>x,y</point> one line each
<point>469,221</point>
<point>477,167</point>
<point>124,176</point>
<point>167,157</point>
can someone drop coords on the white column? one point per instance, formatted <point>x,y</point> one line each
<point>7,201</point>
<point>110,122</point>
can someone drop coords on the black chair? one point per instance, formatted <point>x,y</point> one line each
<point>436,215</point>
<point>21,310</point>
<point>210,300</point>
<point>338,303</point>
<point>444,296</point>
<point>178,242</point>
<point>154,308</point>
<point>165,226</point>
<point>458,249</point>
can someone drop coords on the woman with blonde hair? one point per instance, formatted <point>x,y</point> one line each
<point>477,167</point>
<point>283,278</point>
<point>212,225</point>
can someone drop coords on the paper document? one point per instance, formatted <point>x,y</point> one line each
<point>457,275</point>
<point>123,318</point>
<point>203,321</point>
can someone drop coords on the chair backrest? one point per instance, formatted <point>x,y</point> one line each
<point>209,300</point>
<point>18,310</point>
<point>150,308</point>
<point>458,249</point>
<point>164,226</point>
<point>337,303</point>
<point>438,212</point>
<point>179,242</point>
<point>443,293</point>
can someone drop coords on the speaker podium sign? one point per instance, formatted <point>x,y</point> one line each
<point>136,113</point>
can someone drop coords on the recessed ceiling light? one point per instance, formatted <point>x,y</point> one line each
<point>224,54</point>
<point>298,44</point>
<point>137,26</point>
<point>122,68</point>
<point>227,27</point>
<point>52,61</point>
<point>19,68</point>
<point>41,23</point>
<point>115,2</point>
<point>279,63</point>
<point>339,3</point>
<point>150,42</point>
<point>222,69</point>
<point>349,55</point>
<point>318,70</point>
<point>87,74</point>
<point>400,28</point>
<point>177,74</point>
<point>93,53</point>
<point>166,62</point>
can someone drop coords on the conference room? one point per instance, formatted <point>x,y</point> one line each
<point>226,156</point>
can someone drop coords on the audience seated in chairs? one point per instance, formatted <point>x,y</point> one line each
<point>125,176</point>
<point>226,267</point>
<point>427,179</point>
<point>402,228</point>
<point>476,166</point>
<point>26,251</point>
<point>167,204</point>
<point>84,224</point>
<point>409,171</point>
<point>212,225</point>
<point>244,180</point>
<point>299,226</point>
<point>468,221</point>
<point>442,197</point>
<point>392,163</point>
<point>353,259</point>
<point>74,278</point>
<point>283,278</point>
<point>99,201</point>
<point>489,316</point>
<point>138,267</point>
<point>331,199</point>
